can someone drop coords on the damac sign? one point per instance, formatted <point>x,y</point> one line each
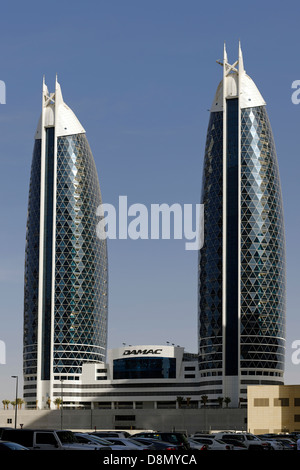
<point>135,352</point>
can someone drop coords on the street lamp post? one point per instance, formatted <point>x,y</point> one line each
<point>16,406</point>
<point>61,404</point>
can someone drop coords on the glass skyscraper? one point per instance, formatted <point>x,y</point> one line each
<point>66,273</point>
<point>242,262</point>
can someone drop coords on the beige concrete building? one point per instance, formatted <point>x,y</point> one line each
<point>273,408</point>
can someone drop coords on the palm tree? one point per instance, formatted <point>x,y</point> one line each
<point>227,400</point>
<point>20,403</point>
<point>204,399</point>
<point>58,402</point>
<point>5,404</point>
<point>220,401</point>
<point>180,401</point>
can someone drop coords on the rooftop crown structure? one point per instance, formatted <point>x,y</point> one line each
<point>65,295</point>
<point>242,263</point>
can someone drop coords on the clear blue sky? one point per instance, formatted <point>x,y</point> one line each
<point>141,76</point>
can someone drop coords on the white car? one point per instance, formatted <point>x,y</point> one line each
<point>212,444</point>
<point>274,444</point>
<point>288,444</point>
<point>196,445</point>
<point>247,439</point>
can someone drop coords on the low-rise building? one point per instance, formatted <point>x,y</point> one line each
<point>133,377</point>
<point>273,408</point>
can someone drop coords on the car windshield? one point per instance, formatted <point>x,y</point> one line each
<point>14,446</point>
<point>175,438</point>
<point>141,440</point>
<point>203,440</point>
<point>67,437</point>
<point>234,437</point>
<point>100,440</point>
<point>88,438</point>
<point>122,442</point>
<point>136,443</point>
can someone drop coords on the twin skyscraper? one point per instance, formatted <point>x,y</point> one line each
<point>66,273</point>
<point>241,264</point>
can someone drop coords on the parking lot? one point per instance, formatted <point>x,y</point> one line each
<point>162,442</point>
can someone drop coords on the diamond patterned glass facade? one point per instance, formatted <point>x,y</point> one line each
<point>210,258</point>
<point>261,327</point>
<point>79,323</point>
<point>262,246</point>
<point>31,279</point>
<point>80,319</point>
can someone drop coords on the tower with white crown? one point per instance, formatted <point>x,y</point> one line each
<point>241,308</point>
<point>65,292</point>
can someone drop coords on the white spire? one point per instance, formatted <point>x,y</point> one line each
<point>58,94</point>
<point>241,62</point>
<point>225,54</point>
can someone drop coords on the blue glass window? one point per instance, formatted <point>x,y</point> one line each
<point>31,279</point>
<point>262,246</point>
<point>145,368</point>
<point>48,240</point>
<point>232,239</point>
<point>210,256</point>
<point>81,272</point>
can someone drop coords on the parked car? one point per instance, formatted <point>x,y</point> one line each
<point>44,439</point>
<point>177,438</point>
<point>194,445</point>
<point>213,444</point>
<point>269,440</point>
<point>154,444</point>
<point>126,443</point>
<point>251,441</point>
<point>237,444</point>
<point>88,439</point>
<point>6,445</point>
<point>288,444</point>
<point>274,444</point>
